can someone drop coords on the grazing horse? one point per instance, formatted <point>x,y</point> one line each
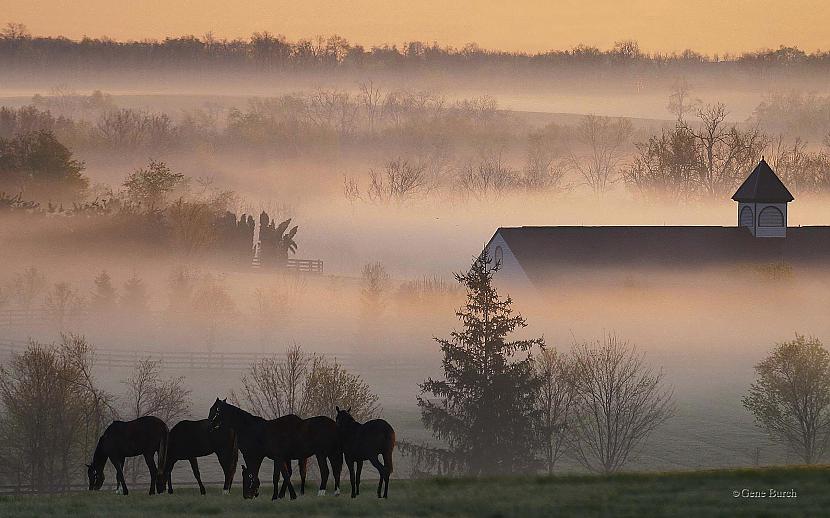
<point>312,437</point>
<point>365,442</point>
<point>257,438</point>
<point>143,436</point>
<point>192,439</point>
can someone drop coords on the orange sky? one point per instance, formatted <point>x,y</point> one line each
<point>531,25</point>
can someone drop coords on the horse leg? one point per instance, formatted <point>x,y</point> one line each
<point>287,475</point>
<point>359,470</point>
<point>276,478</point>
<point>169,474</point>
<point>194,465</point>
<point>350,466</point>
<point>387,465</point>
<point>324,474</point>
<point>119,474</point>
<point>228,463</point>
<point>336,466</point>
<point>284,480</point>
<point>151,465</point>
<point>381,471</point>
<point>302,465</point>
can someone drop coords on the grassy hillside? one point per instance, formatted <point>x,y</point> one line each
<point>700,493</point>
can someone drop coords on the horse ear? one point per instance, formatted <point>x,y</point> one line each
<point>337,408</point>
<point>225,400</point>
<point>87,465</point>
<point>349,410</point>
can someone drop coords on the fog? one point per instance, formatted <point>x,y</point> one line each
<point>706,328</point>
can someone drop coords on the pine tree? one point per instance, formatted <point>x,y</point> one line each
<point>103,297</point>
<point>134,296</point>
<point>484,408</point>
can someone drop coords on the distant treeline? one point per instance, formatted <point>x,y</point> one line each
<point>268,52</point>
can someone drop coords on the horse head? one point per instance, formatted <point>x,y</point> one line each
<point>344,417</point>
<point>250,483</point>
<point>216,414</point>
<point>95,476</point>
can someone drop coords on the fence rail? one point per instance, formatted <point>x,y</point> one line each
<point>238,361</point>
<point>305,265</point>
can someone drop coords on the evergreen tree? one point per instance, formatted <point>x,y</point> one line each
<point>103,297</point>
<point>484,408</point>
<point>134,296</point>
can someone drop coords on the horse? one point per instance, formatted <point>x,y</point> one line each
<point>257,438</point>
<point>365,442</point>
<point>192,439</point>
<point>143,436</point>
<point>315,436</point>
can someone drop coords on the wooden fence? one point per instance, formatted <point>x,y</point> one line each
<point>305,265</point>
<point>182,360</point>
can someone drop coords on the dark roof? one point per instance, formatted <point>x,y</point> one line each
<point>763,186</point>
<point>545,251</point>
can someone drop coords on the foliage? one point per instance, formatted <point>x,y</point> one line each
<point>104,297</point>
<point>603,140</point>
<point>41,167</point>
<point>790,397</point>
<point>52,413</point>
<point>148,187</point>
<point>484,407</point>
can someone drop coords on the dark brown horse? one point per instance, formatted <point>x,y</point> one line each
<point>143,436</point>
<point>312,437</point>
<point>257,438</point>
<point>365,442</point>
<point>192,439</point>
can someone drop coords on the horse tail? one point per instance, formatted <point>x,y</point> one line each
<point>165,439</point>
<point>387,452</point>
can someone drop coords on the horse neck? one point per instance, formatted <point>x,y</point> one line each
<point>99,458</point>
<point>243,418</point>
<point>350,428</point>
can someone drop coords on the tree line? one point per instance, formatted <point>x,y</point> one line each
<point>264,51</point>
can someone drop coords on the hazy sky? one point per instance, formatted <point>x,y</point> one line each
<point>531,25</point>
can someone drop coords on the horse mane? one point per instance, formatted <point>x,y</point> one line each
<point>99,458</point>
<point>243,413</point>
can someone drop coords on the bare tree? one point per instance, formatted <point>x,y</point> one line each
<point>27,286</point>
<point>371,99</point>
<point>304,385</point>
<point>554,401</point>
<point>619,401</point>
<point>728,153</point>
<point>398,182</point>
<point>680,100</point>
<point>213,307</point>
<point>62,304</point>
<point>490,178</point>
<point>603,140</point>
<point>150,394</point>
<point>790,397</point>
<point>375,284</point>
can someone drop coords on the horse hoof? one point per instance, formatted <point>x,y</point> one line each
<point>321,492</point>
<point>226,491</point>
<point>337,492</point>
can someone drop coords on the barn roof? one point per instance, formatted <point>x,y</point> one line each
<point>544,252</point>
<point>763,186</point>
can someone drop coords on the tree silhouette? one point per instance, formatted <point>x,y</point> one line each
<point>484,408</point>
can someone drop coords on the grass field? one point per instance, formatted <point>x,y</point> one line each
<point>699,493</point>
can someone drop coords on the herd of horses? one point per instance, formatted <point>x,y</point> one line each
<point>229,430</point>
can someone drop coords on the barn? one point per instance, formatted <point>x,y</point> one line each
<point>536,256</point>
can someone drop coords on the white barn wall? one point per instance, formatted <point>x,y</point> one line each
<point>511,275</point>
